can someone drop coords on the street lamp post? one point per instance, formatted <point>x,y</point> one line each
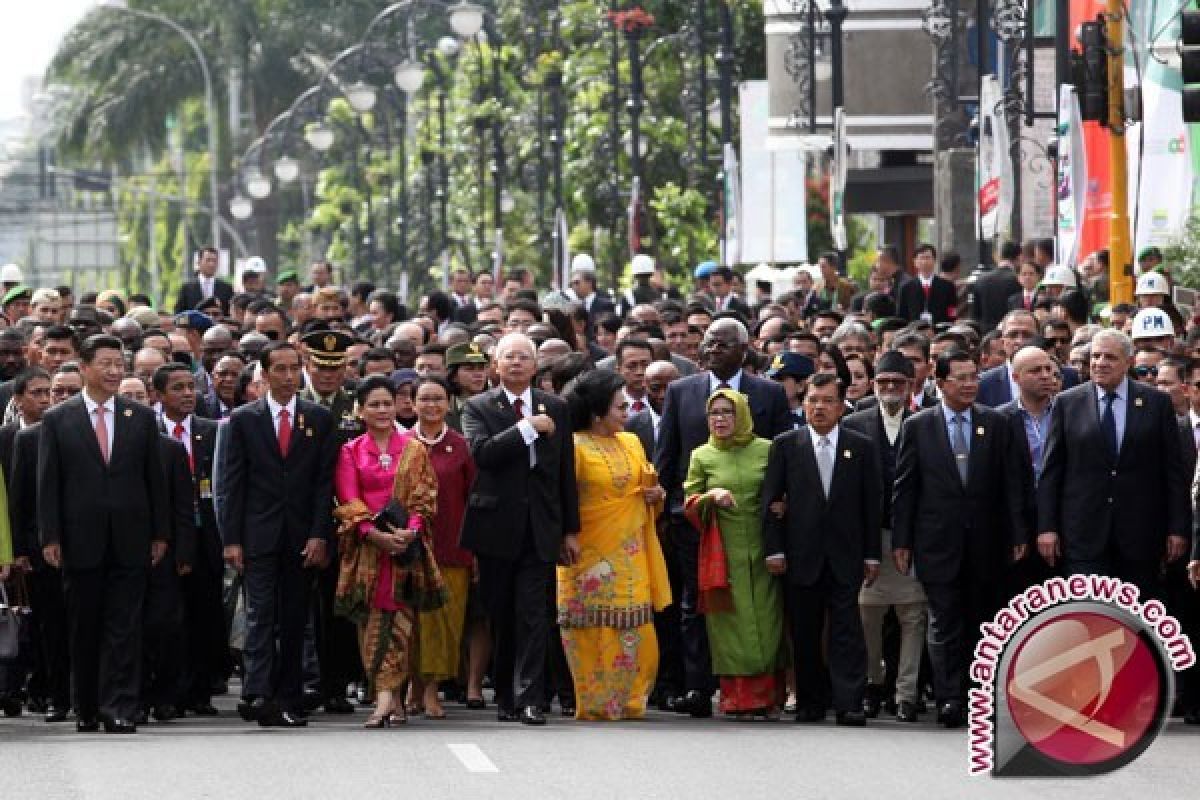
<point>210,112</point>
<point>725,59</point>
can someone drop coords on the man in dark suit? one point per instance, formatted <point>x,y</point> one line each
<point>103,520</point>
<point>583,283</point>
<point>522,516</point>
<point>274,494</point>
<point>957,517</point>
<point>206,284</point>
<point>928,297</point>
<point>1018,329</point>
<point>337,650</point>
<point>992,287</point>
<point>1113,498</point>
<point>202,572</point>
<point>826,544</point>
<point>720,283</point>
<point>683,428</point>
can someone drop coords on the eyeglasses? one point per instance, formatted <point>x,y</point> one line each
<point>1057,340</point>
<point>719,344</point>
<point>1018,334</point>
<point>65,391</point>
<point>716,413</point>
<point>1146,372</point>
<point>891,381</point>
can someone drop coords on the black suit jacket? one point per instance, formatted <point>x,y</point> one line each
<point>840,531</point>
<point>21,482</point>
<point>508,499</point>
<point>8,435</point>
<point>1016,428</point>
<point>942,303</point>
<point>1017,299</point>
<point>641,424</point>
<point>101,512</point>
<point>200,475</point>
<point>870,424</point>
<point>1098,502</point>
<point>990,294</point>
<point>684,424</point>
<point>265,501</point>
<point>956,531</point>
<point>871,402</point>
<point>190,294</point>
<point>995,389</point>
<point>178,477</point>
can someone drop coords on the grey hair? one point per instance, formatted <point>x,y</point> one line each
<point>849,329</point>
<point>510,340</point>
<point>743,335</point>
<point>1111,334</point>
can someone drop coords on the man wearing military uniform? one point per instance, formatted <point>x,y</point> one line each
<point>466,369</point>
<point>337,649</point>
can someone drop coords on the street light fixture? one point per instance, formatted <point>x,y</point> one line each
<point>409,77</point>
<point>319,137</point>
<point>466,19</point>
<point>361,96</point>
<point>448,46</point>
<point>257,184</point>
<point>287,169</point>
<point>241,207</point>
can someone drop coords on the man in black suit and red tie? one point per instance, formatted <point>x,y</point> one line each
<point>274,494</point>
<point>683,428</point>
<point>206,284</point>
<point>957,516</point>
<point>928,297</point>
<point>826,546</point>
<point>1113,495</point>
<point>522,516</point>
<point>103,520</point>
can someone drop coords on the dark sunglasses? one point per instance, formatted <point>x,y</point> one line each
<point>1146,372</point>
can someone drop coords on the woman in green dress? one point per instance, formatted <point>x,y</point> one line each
<point>742,602</point>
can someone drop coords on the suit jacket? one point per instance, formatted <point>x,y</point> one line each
<point>181,505</point>
<point>941,305</point>
<point>508,500</point>
<point>602,306</point>
<point>1016,425</point>
<point>995,389</point>
<point>265,501</point>
<point>1098,502</point>
<point>870,424</point>
<point>957,531</point>
<point>190,294</point>
<point>1017,299</point>
<point>21,482</point>
<point>739,305</point>
<point>990,293</point>
<point>8,435</point>
<point>642,425</point>
<point>346,424</point>
<point>200,476</point>
<point>684,424</point>
<point>101,512</point>
<point>841,530</point>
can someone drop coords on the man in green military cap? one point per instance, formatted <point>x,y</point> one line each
<point>16,303</point>
<point>337,653</point>
<point>287,287</point>
<point>466,370</point>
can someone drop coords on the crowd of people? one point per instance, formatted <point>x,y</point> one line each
<point>726,499</point>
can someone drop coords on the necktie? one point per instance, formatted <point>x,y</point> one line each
<point>102,432</point>
<point>637,406</point>
<point>285,432</point>
<point>519,408</point>
<point>181,435</point>
<point>959,445</point>
<point>1028,301</point>
<point>1108,423</point>
<point>825,463</point>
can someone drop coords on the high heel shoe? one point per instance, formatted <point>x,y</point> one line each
<point>376,721</point>
<point>397,717</point>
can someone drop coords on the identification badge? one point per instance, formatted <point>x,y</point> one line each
<point>205,489</point>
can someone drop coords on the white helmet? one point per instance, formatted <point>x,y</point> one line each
<point>1059,276</point>
<point>1152,323</point>
<point>1152,283</point>
<point>642,264</point>
<point>583,262</point>
<point>255,264</point>
<point>11,273</point>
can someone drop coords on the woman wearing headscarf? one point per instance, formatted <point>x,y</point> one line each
<point>742,604</point>
<point>607,599</point>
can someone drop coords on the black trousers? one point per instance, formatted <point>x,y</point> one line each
<point>847,670</point>
<point>53,672</point>
<point>693,635</point>
<point>1146,575</point>
<point>1184,604</point>
<point>277,591</point>
<point>670,679</point>
<point>956,609</point>
<point>337,644</point>
<point>163,641</point>
<point>205,630</point>
<point>104,615</point>
<point>516,594</point>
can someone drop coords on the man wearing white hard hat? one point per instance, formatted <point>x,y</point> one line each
<point>206,284</point>
<point>1152,328</point>
<point>1058,279</point>
<point>1154,291</point>
<point>10,276</point>
<point>643,291</point>
<point>253,275</point>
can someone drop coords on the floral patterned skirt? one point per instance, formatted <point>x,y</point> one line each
<point>613,669</point>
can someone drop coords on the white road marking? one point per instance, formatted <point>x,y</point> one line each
<point>474,759</point>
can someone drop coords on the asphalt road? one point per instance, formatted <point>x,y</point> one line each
<point>470,755</point>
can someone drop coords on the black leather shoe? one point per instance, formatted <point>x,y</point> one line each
<point>311,701</point>
<point>338,705</point>
<point>164,712</point>
<point>56,714</point>
<point>950,715</point>
<point>504,715</point>
<point>679,704</point>
<point>532,715</point>
<point>203,709</point>
<point>11,706</point>
<point>141,717</point>
<point>810,715</point>
<point>696,703</point>
<point>907,712</point>
<point>1192,717</point>
<point>666,702</point>
<point>476,703</point>
<point>281,719</point>
<point>87,725</point>
<point>567,710</point>
<point>871,705</point>
<point>118,725</point>
<point>852,719</point>
<point>252,709</point>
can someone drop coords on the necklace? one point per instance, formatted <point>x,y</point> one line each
<point>615,458</point>
<point>435,440</point>
<point>385,458</point>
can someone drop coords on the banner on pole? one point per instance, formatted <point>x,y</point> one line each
<point>837,180</point>
<point>732,253</point>
<point>1072,177</point>
<point>994,183</point>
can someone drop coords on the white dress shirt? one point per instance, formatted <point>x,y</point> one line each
<point>276,408</point>
<point>734,383</point>
<point>528,432</point>
<point>169,427</point>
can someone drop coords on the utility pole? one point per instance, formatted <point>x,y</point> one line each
<point>1120,281</point>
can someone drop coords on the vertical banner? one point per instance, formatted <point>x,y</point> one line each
<point>1072,177</point>
<point>994,202</point>
<point>1094,227</point>
<point>563,255</point>
<point>731,253</point>
<point>635,217</point>
<point>774,219</point>
<point>837,181</point>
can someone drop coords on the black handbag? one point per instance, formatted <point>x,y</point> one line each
<point>394,515</point>
<point>10,628</point>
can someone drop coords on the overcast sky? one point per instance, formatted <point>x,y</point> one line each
<point>29,34</point>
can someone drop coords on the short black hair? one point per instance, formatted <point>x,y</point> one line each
<point>1010,251</point>
<point>629,343</point>
<point>827,379</point>
<point>948,359</point>
<point>434,349</point>
<point>362,290</point>
<point>879,305</point>
<point>371,384</point>
<point>12,335</point>
<point>590,395</point>
<point>163,374</point>
<point>99,341</point>
<point>264,356</point>
<point>724,273</point>
<point>434,379</point>
<point>912,339</point>
<point>521,304</point>
<point>21,382</point>
<point>440,303</point>
<point>610,323</point>
<point>925,247</point>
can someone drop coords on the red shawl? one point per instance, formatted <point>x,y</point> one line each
<point>715,594</point>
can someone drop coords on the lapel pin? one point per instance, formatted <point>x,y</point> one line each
<point>129,411</point>
<point>979,431</point>
<point>309,432</point>
<point>846,454</point>
<point>541,409</point>
<point>1137,402</point>
<point>449,448</point>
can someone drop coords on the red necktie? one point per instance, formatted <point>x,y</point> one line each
<point>1028,301</point>
<point>181,435</point>
<point>637,406</point>
<point>925,287</point>
<point>519,408</point>
<point>102,433</point>
<point>285,432</point>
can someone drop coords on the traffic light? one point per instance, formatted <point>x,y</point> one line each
<point>1089,69</point>
<point>1190,57</point>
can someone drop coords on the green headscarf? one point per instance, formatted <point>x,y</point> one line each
<point>743,420</point>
